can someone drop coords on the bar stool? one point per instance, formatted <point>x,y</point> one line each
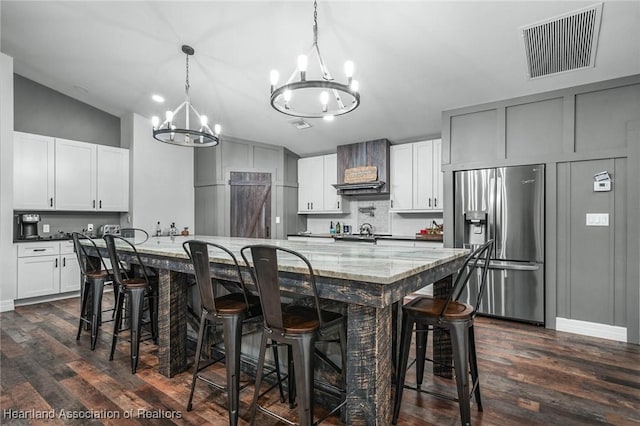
<point>232,311</point>
<point>136,290</point>
<point>457,317</point>
<point>93,278</point>
<point>299,327</point>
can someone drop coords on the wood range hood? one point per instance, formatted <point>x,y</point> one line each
<point>361,159</point>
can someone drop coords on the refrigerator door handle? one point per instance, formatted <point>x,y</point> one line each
<point>513,266</point>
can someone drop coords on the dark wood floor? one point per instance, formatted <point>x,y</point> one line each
<point>529,376</point>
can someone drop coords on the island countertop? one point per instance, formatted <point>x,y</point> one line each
<point>366,263</point>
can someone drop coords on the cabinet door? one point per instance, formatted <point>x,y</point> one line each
<point>401,157</point>
<point>438,200</point>
<point>331,197</point>
<point>33,172</point>
<point>38,276</point>
<point>310,184</point>
<point>69,273</point>
<point>75,175</point>
<point>112,179</point>
<point>423,175</point>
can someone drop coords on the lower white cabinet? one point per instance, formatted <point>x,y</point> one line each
<point>47,268</point>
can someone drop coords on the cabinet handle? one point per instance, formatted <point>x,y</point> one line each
<point>429,201</point>
<point>435,202</point>
<point>311,206</point>
<point>94,204</point>
<point>100,203</point>
<point>391,203</point>
<point>64,262</point>
<point>338,205</point>
<point>39,249</point>
<point>51,202</point>
<point>56,263</point>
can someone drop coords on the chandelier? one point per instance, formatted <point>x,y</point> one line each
<point>176,128</point>
<point>315,98</point>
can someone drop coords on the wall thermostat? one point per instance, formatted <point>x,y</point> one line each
<point>602,182</point>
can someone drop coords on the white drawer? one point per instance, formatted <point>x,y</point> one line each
<point>38,249</point>
<point>66,247</point>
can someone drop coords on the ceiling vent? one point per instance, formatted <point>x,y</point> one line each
<point>564,43</point>
<point>299,123</point>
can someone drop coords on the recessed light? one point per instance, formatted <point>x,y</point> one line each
<point>159,99</point>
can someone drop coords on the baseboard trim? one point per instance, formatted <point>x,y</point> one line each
<point>6,305</point>
<point>592,329</point>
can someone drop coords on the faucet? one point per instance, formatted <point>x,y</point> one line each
<point>366,229</point>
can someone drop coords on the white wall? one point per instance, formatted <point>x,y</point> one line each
<point>8,261</point>
<point>161,177</point>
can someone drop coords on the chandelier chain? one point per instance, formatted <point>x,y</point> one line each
<point>315,22</point>
<point>186,84</point>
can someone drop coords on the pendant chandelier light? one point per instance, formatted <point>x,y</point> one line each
<point>176,128</point>
<point>315,98</point>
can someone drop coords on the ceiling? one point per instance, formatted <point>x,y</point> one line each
<point>413,59</point>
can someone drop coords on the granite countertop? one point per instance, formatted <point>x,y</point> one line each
<point>43,239</point>
<point>366,262</point>
<point>375,237</point>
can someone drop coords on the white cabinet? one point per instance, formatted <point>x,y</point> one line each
<point>33,174</point>
<point>47,268</point>
<point>112,179</point>
<point>316,193</point>
<point>60,174</point>
<point>75,175</point>
<point>310,184</point>
<point>416,177</point>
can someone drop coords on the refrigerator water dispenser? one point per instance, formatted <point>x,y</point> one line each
<point>475,232</point>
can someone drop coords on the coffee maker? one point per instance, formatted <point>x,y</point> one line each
<point>29,226</point>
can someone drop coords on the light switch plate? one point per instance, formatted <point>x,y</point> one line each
<point>597,219</point>
<point>277,219</point>
<point>45,227</point>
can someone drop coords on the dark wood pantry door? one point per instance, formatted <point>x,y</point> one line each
<point>250,204</point>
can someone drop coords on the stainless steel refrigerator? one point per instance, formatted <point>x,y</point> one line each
<point>506,204</point>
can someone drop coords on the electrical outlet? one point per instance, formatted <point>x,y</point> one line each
<point>277,219</point>
<point>45,227</point>
<point>90,227</point>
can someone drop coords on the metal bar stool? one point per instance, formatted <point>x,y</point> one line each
<point>93,278</point>
<point>136,289</point>
<point>232,311</point>
<point>299,327</point>
<point>428,312</point>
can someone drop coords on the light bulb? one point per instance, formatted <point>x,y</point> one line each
<point>157,98</point>
<point>274,77</point>
<point>287,95</point>
<point>155,120</point>
<point>328,117</point>
<point>355,85</point>
<point>217,129</point>
<point>204,120</point>
<point>302,63</point>
<point>324,98</point>
<point>169,116</point>
<point>348,69</point>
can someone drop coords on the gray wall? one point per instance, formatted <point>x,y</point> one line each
<point>591,272</point>
<point>212,167</point>
<point>43,111</point>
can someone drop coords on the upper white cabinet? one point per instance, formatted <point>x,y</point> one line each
<point>75,175</point>
<point>33,171</point>
<point>316,193</point>
<point>112,179</point>
<point>416,177</point>
<point>60,174</point>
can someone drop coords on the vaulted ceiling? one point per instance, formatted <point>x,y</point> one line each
<point>413,59</point>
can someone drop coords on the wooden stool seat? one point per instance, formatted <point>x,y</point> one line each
<point>97,274</point>
<point>427,306</point>
<point>135,282</point>
<point>230,304</point>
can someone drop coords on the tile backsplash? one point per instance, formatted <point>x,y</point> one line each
<point>382,220</point>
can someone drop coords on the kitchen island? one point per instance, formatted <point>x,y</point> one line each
<point>369,279</point>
